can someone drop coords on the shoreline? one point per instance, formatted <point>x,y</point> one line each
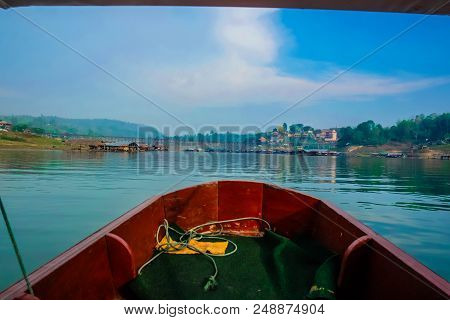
<point>21,141</point>
<point>422,156</point>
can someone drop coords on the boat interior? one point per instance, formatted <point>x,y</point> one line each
<point>312,250</point>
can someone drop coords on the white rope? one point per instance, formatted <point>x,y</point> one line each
<point>194,234</point>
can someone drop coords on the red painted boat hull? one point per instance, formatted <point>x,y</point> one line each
<point>98,266</point>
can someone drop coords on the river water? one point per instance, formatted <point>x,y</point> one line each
<point>56,198</point>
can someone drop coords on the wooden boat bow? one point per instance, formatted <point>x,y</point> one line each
<point>98,266</point>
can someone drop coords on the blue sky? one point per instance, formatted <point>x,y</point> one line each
<point>222,66</point>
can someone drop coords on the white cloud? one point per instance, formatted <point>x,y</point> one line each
<point>244,72</point>
<point>248,34</point>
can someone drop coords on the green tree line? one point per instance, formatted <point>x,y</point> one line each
<point>419,130</point>
<point>62,126</point>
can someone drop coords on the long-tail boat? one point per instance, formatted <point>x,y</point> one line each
<point>308,236</point>
<point>312,249</point>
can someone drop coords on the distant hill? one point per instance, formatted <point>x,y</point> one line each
<point>90,127</point>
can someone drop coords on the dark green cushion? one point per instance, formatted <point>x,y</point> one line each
<point>271,267</point>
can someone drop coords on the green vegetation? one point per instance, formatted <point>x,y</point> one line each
<point>61,126</point>
<point>432,129</point>
<point>19,140</point>
<point>420,130</point>
<point>11,138</point>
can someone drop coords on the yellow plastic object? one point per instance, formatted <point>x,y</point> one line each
<point>218,247</point>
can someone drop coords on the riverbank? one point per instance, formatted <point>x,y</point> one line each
<point>25,141</point>
<point>409,150</point>
<point>19,140</point>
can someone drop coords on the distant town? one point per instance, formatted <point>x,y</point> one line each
<point>420,136</point>
<point>279,140</point>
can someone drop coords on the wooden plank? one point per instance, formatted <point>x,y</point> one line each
<point>290,213</point>
<point>192,206</point>
<point>240,199</point>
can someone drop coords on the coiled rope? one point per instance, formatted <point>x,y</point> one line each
<point>15,247</point>
<point>195,234</point>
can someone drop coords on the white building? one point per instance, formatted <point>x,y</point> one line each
<point>328,135</point>
<point>5,126</point>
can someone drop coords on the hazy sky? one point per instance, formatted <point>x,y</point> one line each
<point>222,66</point>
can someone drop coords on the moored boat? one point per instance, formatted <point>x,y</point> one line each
<point>312,250</point>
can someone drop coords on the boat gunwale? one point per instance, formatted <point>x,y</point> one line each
<point>440,284</point>
<point>404,257</point>
<point>41,272</point>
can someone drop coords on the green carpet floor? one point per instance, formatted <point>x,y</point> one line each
<point>271,267</point>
